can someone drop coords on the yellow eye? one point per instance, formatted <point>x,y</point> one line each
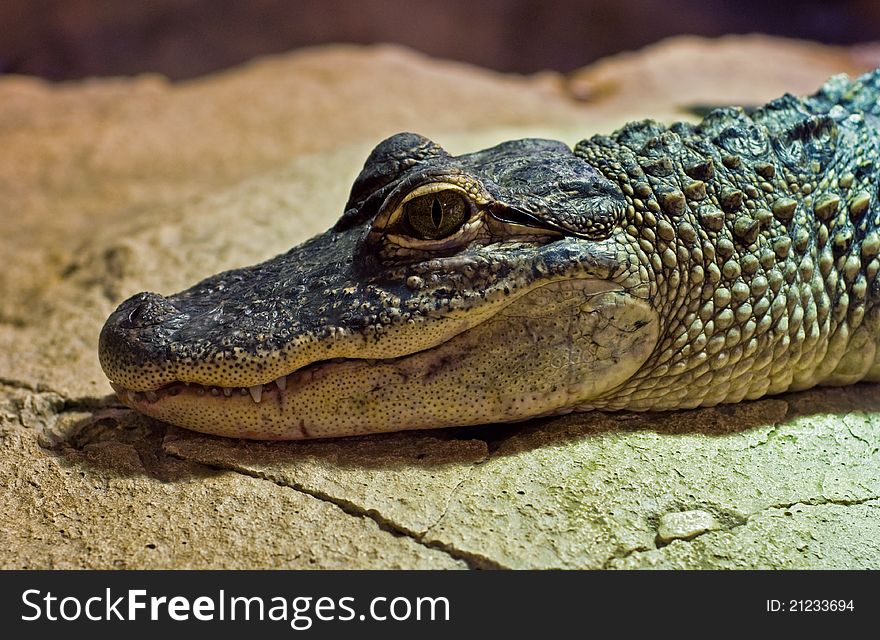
<point>435,215</point>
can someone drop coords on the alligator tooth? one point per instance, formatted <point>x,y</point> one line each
<point>243,391</point>
<point>281,383</point>
<point>200,391</point>
<point>151,396</point>
<point>227,391</point>
<point>215,391</point>
<point>256,392</point>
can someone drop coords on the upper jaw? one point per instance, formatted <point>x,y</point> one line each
<point>237,328</point>
<point>254,325</point>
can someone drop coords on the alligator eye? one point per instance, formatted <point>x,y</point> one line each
<point>436,215</point>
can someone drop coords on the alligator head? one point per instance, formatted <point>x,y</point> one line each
<point>489,287</point>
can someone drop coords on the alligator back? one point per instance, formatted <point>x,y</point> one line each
<point>759,233</point>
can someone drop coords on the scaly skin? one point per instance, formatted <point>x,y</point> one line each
<point>657,268</point>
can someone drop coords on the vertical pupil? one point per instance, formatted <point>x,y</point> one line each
<point>436,213</point>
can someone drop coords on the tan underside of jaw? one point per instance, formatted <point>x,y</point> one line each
<point>513,366</point>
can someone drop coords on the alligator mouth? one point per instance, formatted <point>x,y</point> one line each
<point>484,371</point>
<point>276,388</point>
<point>254,394</point>
<point>261,411</point>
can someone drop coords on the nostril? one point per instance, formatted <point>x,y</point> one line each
<point>135,314</point>
<point>145,310</point>
<point>138,332</point>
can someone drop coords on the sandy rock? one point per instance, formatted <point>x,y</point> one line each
<point>110,187</point>
<point>112,500</point>
<point>607,481</point>
<point>797,536</point>
<point>406,480</point>
<point>736,70</point>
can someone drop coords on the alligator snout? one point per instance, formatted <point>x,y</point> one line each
<point>138,333</point>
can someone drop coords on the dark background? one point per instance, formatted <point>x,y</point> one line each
<point>67,39</point>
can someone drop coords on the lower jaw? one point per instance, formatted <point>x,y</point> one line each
<point>213,412</point>
<point>261,412</point>
<point>280,423</point>
<point>328,403</point>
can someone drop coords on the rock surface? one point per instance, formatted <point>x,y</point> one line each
<point>110,187</point>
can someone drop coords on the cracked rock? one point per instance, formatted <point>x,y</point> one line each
<point>800,536</point>
<point>404,480</point>
<point>116,186</point>
<point>119,505</point>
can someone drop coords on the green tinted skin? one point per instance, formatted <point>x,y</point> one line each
<point>656,268</point>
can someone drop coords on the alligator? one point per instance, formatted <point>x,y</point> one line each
<point>657,268</point>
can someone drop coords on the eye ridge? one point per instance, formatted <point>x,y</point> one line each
<point>434,216</point>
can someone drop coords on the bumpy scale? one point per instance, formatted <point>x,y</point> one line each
<point>656,268</point>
